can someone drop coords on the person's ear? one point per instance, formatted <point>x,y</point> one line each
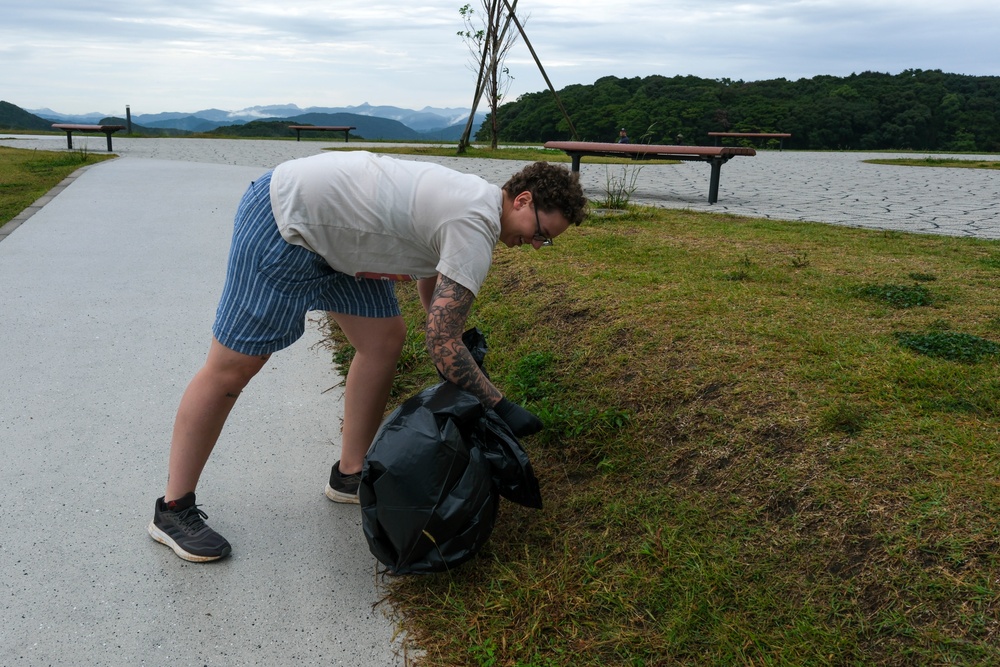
<point>522,199</point>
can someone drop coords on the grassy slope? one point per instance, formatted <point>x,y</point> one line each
<point>742,465</point>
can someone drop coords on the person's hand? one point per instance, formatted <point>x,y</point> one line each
<point>521,421</point>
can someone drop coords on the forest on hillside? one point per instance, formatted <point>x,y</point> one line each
<point>920,110</point>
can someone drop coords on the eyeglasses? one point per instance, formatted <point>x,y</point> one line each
<point>539,236</point>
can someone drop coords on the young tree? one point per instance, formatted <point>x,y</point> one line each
<point>488,35</point>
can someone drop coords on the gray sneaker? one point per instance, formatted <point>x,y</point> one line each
<point>181,526</point>
<point>343,488</point>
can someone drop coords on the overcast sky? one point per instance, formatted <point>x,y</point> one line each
<point>78,56</point>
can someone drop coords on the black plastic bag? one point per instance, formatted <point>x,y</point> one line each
<point>433,477</point>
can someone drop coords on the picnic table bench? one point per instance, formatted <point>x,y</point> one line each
<point>780,136</point>
<point>716,156</point>
<point>70,128</point>
<point>322,128</point>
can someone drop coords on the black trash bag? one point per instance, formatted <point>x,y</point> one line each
<point>433,477</point>
<point>512,472</point>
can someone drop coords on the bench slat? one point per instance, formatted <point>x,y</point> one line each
<point>640,151</point>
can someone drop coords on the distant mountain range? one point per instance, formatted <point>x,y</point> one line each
<point>372,122</point>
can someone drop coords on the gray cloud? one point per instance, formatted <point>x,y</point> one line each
<point>82,55</point>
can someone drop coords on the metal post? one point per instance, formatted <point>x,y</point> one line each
<point>713,187</point>
<point>128,121</point>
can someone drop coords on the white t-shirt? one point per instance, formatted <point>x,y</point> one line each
<point>378,217</point>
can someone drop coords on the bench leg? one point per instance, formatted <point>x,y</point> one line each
<point>575,159</point>
<point>713,185</point>
<point>298,135</point>
<point>109,141</point>
<point>345,136</point>
<point>69,139</point>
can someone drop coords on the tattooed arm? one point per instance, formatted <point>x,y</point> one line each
<point>449,308</point>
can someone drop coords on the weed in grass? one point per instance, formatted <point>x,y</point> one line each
<point>647,136</point>
<point>343,355</point>
<point>530,378</point>
<point>741,272</point>
<point>484,655</point>
<point>897,296</point>
<point>845,417</point>
<point>922,277</point>
<point>618,190</point>
<point>570,422</point>
<point>800,261</point>
<point>950,345</point>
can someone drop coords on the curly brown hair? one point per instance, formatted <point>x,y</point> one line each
<point>552,188</point>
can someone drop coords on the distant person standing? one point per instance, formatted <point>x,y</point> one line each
<point>623,137</point>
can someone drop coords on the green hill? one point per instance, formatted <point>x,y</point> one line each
<point>368,127</point>
<point>926,110</point>
<point>15,118</point>
<point>142,131</point>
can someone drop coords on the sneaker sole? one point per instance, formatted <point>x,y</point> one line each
<point>165,539</point>
<point>341,497</point>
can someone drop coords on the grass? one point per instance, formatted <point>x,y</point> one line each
<point>26,175</point>
<point>940,162</point>
<point>763,447</point>
<point>751,457</point>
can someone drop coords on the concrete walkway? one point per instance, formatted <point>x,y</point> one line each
<point>836,188</point>
<point>107,295</point>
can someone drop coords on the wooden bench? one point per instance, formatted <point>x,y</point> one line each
<point>714,155</point>
<point>70,128</point>
<point>321,128</point>
<point>780,136</point>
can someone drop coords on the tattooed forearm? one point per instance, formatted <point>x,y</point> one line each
<point>449,309</point>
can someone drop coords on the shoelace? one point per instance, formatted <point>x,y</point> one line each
<point>192,518</point>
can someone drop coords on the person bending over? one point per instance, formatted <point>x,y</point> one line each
<point>333,232</point>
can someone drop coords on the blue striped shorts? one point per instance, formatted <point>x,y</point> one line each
<point>272,284</point>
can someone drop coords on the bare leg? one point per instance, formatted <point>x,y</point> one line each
<point>203,411</point>
<point>378,342</point>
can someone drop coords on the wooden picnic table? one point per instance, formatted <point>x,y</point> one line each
<point>70,128</point>
<point>716,156</point>
<point>322,128</point>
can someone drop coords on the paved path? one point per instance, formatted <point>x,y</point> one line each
<point>836,188</point>
<point>106,298</point>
